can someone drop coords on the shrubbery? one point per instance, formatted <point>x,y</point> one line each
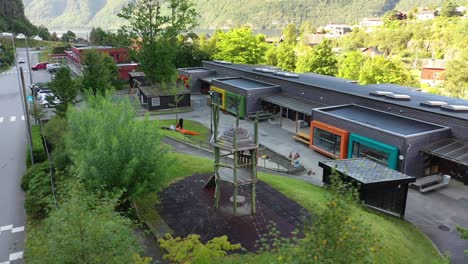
<point>36,184</point>
<point>39,152</point>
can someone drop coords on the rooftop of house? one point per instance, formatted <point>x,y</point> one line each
<point>381,120</point>
<point>196,70</point>
<point>433,64</point>
<point>93,47</point>
<point>366,171</point>
<point>347,87</point>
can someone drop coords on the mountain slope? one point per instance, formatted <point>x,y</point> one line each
<point>12,17</point>
<point>61,14</point>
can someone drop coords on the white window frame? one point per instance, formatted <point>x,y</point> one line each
<point>157,102</point>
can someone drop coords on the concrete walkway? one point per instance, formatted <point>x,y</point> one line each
<point>430,212</point>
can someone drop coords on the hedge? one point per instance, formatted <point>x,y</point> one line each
<point>39,152</point>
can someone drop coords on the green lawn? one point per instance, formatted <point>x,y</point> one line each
<point>189,125</point>
<point>400,242</point>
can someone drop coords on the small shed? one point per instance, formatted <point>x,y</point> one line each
<point>137,76</point>
<point>154,98</point>
<point>380,187</point>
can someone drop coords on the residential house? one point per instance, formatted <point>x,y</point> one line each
<point>313,39</point>
<point>426,14</point>
<point>371,52</point>
<point>336,30</point>
<point>371,22</point>
<point>432,71</point>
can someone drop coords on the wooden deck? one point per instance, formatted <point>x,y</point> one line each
<point>302,137</point>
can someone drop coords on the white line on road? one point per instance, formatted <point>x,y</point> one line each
<point>22,117</point>
<point>12,118</point>
<point>17,229</point>
<point>1,119</point>
<point>15,256</point>
<point>7,227</point>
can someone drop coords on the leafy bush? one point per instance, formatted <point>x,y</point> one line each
<point>191,250</point>
<point>54,131</point>
<point>31,172</point>
<point>39,152</point>
<point>39,196</point>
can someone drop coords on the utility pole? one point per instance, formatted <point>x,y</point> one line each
<point>26,114</point>
<point>29,64</point>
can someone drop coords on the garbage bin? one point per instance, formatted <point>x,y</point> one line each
<point>446,179</point>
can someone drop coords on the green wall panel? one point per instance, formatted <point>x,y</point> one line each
<point>373,144</point>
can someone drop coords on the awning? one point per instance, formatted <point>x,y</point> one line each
<point>449,149</point>
<point>294,103</point>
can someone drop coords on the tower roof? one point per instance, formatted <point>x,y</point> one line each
<point>226,140</point>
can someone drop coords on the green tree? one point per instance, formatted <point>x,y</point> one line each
<point>449,9</point>
<point>155,29</point>
<point>290,34</point>
<point>240,45</point>
<point>320,59</point>
<point>110,148</point>
<point>191,250</point>
<point>68,36</point>
<point>286,57</point>
<point>380,70</point>
<point>84,229</point>
<point>271,55</point>
<point>43,32</point>
<point>98,36</point>
<point>355,40</point>
<point>208,45</point>
<point>350,65</point>
<point>65,88</point>
<point>456,77</point>
<point>100,72</point>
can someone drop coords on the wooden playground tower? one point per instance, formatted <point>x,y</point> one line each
<point>235,144</point>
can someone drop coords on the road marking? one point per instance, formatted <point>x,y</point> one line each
<point>17,229</point>
<point>15,256</point>
<point>1,119</point>
<point>12,118</point>
<point>22,117</point>
<point>7,227</point>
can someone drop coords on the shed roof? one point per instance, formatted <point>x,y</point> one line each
<point>292,102</point>
<point>152,91</point>
<point>136,74</point>
<point>244,83</point>
<point>433,64</point>
<point>450,149</point>
<point>366,171</point>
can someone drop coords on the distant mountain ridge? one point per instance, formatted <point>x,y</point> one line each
<point>12,17</point>
<point>76,14</point>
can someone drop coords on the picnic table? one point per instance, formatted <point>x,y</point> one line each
<point>430,183</point>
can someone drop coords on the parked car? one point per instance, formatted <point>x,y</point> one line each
<point>52,67</point>
<point>39,66</point>
<point>49,100</point>
<point>36,87</point>
<point>43,92</point>
<point>21,60</point>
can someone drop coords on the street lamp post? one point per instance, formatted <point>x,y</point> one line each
<point>29,64</point>
<point>211,112</point>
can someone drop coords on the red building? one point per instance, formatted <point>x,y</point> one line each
<point>75,58</point>
<point>432,72</point>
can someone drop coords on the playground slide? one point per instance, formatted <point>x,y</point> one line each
<point>187,132</point>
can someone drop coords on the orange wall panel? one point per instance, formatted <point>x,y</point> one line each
<point>334,130</point>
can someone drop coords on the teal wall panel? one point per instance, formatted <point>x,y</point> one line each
<point>391,150</point>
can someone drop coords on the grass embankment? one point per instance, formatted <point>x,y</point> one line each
<point>400,241</point>
<point>189,125</point>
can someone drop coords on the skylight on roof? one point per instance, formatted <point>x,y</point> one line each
<point>222,62</point>
<point>264,70</point>
<point>433,103</point>
<point>287,74</point>
<point>393,96</point>
<point>455,108</point>
<point>380,93</point>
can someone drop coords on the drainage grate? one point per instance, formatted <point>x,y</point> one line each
<point>444,228</point>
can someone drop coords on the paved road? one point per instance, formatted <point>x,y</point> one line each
<point>13,141</point>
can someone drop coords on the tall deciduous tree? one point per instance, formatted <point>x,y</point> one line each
<point>290,34</point>
<point>271,55</point>
<point>380,70</point>
<point>350,65</point>
<point>84,229</point>
<point>100,72</point>
<point>320,59</point>
<point>98,36</point>
<point>286,57</point>
<point>240,45</point>
<point>449,9</point>
<point>65,88</point>
<point>68,36</point>
<point>153,29</point>
<point>110,148</point>
<point>456,81</point>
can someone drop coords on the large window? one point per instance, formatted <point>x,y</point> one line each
<point>327,141</point>
<point>232,103</point>
<point>360,150</point>
<point>217,98</point>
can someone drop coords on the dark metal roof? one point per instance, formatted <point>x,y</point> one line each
<point>450,149</point>
<point>347,87</point>
<point>382,120</point>
<point>244,83</point>
<point>152,91</point>
<point>209,79</point>
<point>366,171</point>
<point>294,103</point>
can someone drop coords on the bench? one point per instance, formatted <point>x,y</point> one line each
<point>261,115</point>
<point>428,183</point>
<point>302,137</point>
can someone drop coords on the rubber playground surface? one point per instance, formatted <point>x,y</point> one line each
<point>188,208</point>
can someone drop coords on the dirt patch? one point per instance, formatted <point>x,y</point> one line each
<point>188,208</point>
